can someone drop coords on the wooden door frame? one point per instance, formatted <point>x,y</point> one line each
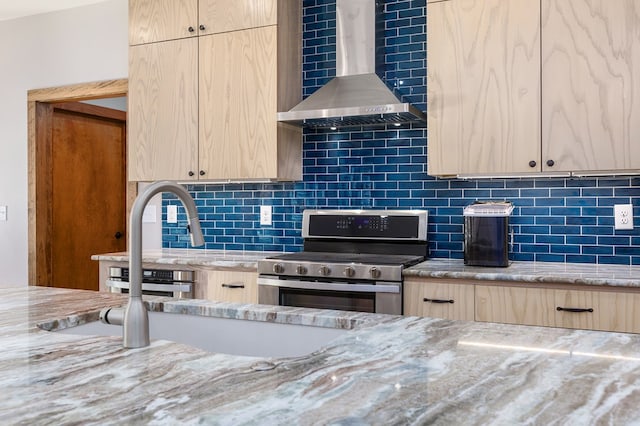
<point>39,197</point>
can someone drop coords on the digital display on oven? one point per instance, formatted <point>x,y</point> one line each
<point>364,226</point>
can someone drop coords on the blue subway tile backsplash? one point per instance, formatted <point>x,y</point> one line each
<point>385,167</point>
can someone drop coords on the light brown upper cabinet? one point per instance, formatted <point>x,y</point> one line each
<point>160,20</point>
<point>483,66</point>
<point>521,86</point>
<point>591,85</point>
<point>205,107</point>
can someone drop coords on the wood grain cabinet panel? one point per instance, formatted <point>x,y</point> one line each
<point>238,79</point>
<point>219,16</point>
<point>518,86</point>
<point>612,311</point>
<point>160,20</point>
<point>574,309</point>
<point>568,308</point>
<point>515,305</point>
<point>229,286</point>
<point>483,82</point>
<point>236,141</point>
<point>591,84</point>
<point>439,299</point>
<point>162,122</point>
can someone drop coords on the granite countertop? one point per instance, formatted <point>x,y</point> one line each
<point>387,370</point>
<point>223,259</point>
<point>569,273</point>
<point>531,272</point>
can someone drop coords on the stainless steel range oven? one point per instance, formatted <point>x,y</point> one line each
<point>352,260</point>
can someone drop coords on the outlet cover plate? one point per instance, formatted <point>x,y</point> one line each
<point>3,213</point>
<point>265,215</point>
<point>172,213</point>
<point>623,216</point>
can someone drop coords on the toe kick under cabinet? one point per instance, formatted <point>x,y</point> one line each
<point>543,304</point>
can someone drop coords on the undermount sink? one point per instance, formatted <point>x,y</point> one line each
<point>224,335</point>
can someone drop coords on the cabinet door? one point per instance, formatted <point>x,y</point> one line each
<point>232,286</point>
<point>159,20</point>
<point>616,312</point>
<point>219,16</point>
<point>238,127</point>
<point>483,86</point>
<point>572,309</point>
<point>163,110</point>
<point>610,311</point>
<point>515,305</point>
<point>591,84</point>
<point>438,299</point>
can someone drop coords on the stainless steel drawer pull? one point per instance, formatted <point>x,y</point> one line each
<point>577,310</point>
<point>438,300</point>
<point>232,285</point>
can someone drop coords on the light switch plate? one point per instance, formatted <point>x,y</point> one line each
<point>172,213</point>
<point>265,215</point>
<point>623,216</point>
<point>3,213</point>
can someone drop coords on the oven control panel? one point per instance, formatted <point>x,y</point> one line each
<point>410,225</point>
<point>331,270</point>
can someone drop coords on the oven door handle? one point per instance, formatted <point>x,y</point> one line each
<point>383,287</point>
<point>151,286</point>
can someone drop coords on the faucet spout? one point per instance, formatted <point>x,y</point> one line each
<point>136,318</point>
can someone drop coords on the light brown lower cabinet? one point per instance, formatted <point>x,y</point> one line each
<point>548,304</point>
<point>568,308</point>
<point>514,305</point>
<point>228,286</point>
<point>442,299</point>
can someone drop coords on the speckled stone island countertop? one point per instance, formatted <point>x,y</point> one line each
<point>388,370</point>
<point>569,273</point>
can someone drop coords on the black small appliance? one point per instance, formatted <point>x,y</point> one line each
<point>486,233</point>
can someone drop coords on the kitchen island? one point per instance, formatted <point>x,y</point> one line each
<point>387,370</point>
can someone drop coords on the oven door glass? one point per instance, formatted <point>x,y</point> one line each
<point>323,299</point>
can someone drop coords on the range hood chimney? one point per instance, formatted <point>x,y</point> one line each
<point>356,96</point>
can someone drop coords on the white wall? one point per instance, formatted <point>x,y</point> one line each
<point>72,46</point>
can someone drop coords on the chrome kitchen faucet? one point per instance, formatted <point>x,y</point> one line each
<point>135,318</point>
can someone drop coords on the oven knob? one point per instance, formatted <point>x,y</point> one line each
<point>324,270</point>
<point>375,272</point>
<point>278,268</point>
<point>301,270</point>
<point>349,272</point>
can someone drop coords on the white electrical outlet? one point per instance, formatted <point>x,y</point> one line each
<point>265,215</point>
<point>3,213</point>
<point>623,216</point>
<point>172,213</point>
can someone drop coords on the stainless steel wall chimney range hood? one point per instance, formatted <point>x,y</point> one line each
<point>356,96</point>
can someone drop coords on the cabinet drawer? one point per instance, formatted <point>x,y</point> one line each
<point>599,310</point>
<point>232,286</point>
<point>579,309</point>
<point>515,305</point>
<point>439,299</point>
